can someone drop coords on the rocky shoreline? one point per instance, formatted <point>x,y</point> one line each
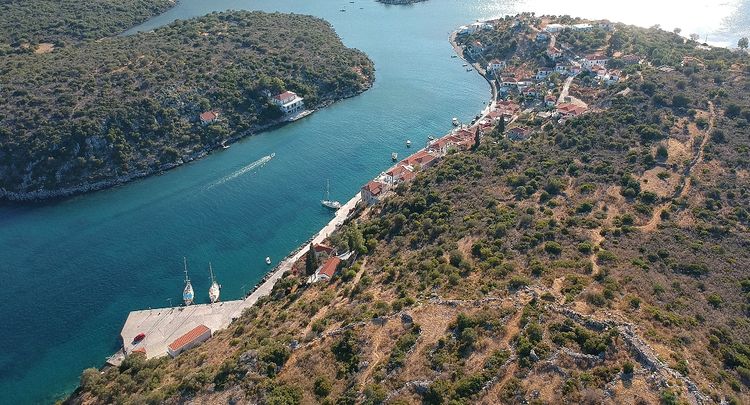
<point>47,195</point>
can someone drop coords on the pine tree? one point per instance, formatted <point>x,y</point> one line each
<point>476,139</point>
<point>311,261</point>
<point>501,125</point>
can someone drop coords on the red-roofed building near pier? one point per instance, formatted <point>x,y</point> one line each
<point>194,337</point>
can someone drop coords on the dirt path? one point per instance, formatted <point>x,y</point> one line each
<point>685,184</point>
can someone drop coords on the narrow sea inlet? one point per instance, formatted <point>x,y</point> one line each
<point>73,269</point>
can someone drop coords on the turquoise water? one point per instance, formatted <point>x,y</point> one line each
<point>72,270</point>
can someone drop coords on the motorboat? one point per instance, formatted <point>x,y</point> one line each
<point>408,143</point>
<point>456,122</point>
<point>268,260</point>
<point>394,156</point>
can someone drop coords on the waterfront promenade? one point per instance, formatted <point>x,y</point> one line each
<point>163,325</point>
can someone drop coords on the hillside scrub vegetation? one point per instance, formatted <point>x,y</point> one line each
<point>26,23</point>
<point>559,269</point>
<point>92,114</point>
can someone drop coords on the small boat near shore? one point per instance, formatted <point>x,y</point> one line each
<point>456,122</point>
<point>408,143</point>
<point>394,156</point>
<point>268,260</point>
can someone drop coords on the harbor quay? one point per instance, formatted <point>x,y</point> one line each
<point>158,332</point>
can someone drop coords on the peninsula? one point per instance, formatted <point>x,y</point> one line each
<point>102,113</point>
<point>583,241</point>
<point>39,25</point>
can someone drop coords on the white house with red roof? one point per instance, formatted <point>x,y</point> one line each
<point>594,59</point>
<point>372,192</point>
<point>554,53</point>
<point>209,117</point>
<point>326,271</point>
<point>518,133</point>
<point>289,102</point>
<point>495,65</point>
<point>570,109</point>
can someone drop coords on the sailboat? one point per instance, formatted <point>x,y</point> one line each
<point>215,289</point>
<point>187,293</point>
<point>327,202</point>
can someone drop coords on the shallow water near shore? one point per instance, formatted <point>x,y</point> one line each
<point>71,270</point>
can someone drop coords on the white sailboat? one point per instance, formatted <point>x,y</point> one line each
<point>215,289</point>
<point>187,293</point>
<point>327,202</point>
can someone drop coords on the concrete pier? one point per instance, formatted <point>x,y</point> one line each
<point>162,326</point>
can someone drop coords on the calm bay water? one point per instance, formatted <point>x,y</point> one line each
<point>72,270</point>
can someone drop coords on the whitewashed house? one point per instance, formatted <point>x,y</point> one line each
<point>495,65</point>
<point>289,102</point>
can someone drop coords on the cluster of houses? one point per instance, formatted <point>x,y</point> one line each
<point>534,89</point>
<point>405,170</point>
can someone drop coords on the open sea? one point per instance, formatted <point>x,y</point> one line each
<point>71,270</point>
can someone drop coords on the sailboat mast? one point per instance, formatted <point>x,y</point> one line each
<point>210,270</point>
<point>184,261</point>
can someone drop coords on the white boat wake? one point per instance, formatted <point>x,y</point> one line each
<point>254,165</point>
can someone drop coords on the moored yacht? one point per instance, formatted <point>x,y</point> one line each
<point>215,290</point>
<point>326,201</point>
<point>187,293</point>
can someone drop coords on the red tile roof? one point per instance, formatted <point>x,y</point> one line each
<point>209,116</point>
<point>329,267</point>
<point>373,187</point>
<point>321,248</point>
<point>420,158</point>
<point>188,338</point>
<point>570,108</point>
<point>285,95</point>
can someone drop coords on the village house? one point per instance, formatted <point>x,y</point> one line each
<point>321,249</point>
<point>326,271</point>
<point>544,73</point>
<point>550,100</point>
<point>421,159</point>
<point>443,145</point>
<point>612,77</point>
<point>399,174</point>
<point>554,53</point>
<point>552,28</point>
<point>570,109</point>
<point>631,60</point>
<point>474,49</point>
<point>596,59</point>
<point>518,133</point>
<point>209,117</point>
<point>505,108</point>
<point>530,93</point>
<point>495,65</point>
<point>289,102</point>
<point>372,192</point>
<point>581,27</point>
<point>599,72</point>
